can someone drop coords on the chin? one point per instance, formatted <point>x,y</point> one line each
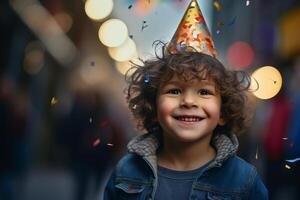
<point>189,137</point>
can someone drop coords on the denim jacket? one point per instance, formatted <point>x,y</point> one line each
<point>226,177</point>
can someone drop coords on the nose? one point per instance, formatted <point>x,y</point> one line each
<point>188,99</point>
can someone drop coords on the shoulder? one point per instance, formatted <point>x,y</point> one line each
<point>235,173</point>
<point>132,166</point>
<point>240,166</point>
<point>246,174</point>
<point>239,171</point>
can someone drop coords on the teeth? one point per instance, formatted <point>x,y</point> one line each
<point>189,119</point>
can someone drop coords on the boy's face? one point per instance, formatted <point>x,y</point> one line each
<point>188,111</point>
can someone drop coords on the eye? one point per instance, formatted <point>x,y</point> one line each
<point>174,91</point>
<point>204,92</point>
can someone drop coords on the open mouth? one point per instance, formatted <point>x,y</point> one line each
<point>188,118</point>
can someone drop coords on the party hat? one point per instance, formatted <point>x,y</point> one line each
<point>192,33</point>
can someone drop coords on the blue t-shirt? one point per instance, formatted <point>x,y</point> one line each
<point>176,185</point>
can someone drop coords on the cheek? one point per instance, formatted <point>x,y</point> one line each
<point>164,107</point>
<point>214,109</point>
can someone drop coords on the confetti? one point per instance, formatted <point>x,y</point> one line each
<point>109,144</point>
<point>232,21</point>
<point>285,138</point>
<point>288,167</point>
<point>103,123</point>
<point>293,160</point>
<point>217,5</point>
<point>90,120</point>
<point>96,142</point>
<point>53,101</point>
<point>247,3</point>
<point>130,6</point>
<point>144,25</point>
<point>134,107</point>
<point>131,36</point>
<point>147,78</point>
<point>220,24</point>
<point>218,31</point>
<point>256,155</point>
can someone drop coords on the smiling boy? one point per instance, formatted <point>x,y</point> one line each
<point>191,108</point>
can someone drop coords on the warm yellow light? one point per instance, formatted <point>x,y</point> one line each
<point>98,9</point>
<point>266,82</point>
<point>113,33</point>
<point>123,67</point>
<point>124,52</point>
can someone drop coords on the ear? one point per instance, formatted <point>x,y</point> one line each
<point>221,122</point>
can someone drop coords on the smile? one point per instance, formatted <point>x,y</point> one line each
<point>189,118</point>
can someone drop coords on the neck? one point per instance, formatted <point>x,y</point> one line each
<point>185,156</point>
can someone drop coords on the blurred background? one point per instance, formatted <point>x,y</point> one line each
<point>64,122</point>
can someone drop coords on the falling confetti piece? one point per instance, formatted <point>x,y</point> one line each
<point>131,36</point>
<point>53,101</point>
<point>130,6</point>
<point>220,24</point>
<point>288,167</point>
<point>96,142</point>
<point>217,5</point>
<point>232,21</point>
<point>144,25</point>
<point>293,160</point>
<point>218,31</point>
<point>247,3</point>
<point>284,138</point>
<point>104,123</point>
<point>91,120</point>
<point>109,144</point>
<point>134,107</point>
<point>256,155</point>
<point>147,78</point>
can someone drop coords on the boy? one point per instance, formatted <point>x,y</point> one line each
<point>192,107</point>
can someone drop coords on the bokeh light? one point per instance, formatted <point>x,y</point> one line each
<point>266,82</point>
<point>113,33</point>
<point>98,9</point>
<point>145,7</point>
<point>124,52</point>
<point>123,67</point>
<point>34,58</point>
<point>240,55</point>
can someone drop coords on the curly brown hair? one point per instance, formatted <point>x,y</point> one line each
<point>145,81</point>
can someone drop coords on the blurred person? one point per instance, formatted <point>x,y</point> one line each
<point>273,141</point>
<point>292,145</point>
<point>13,138</point>
<point>86,133</point>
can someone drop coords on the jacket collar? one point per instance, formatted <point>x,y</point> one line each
<point>146,146</point>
